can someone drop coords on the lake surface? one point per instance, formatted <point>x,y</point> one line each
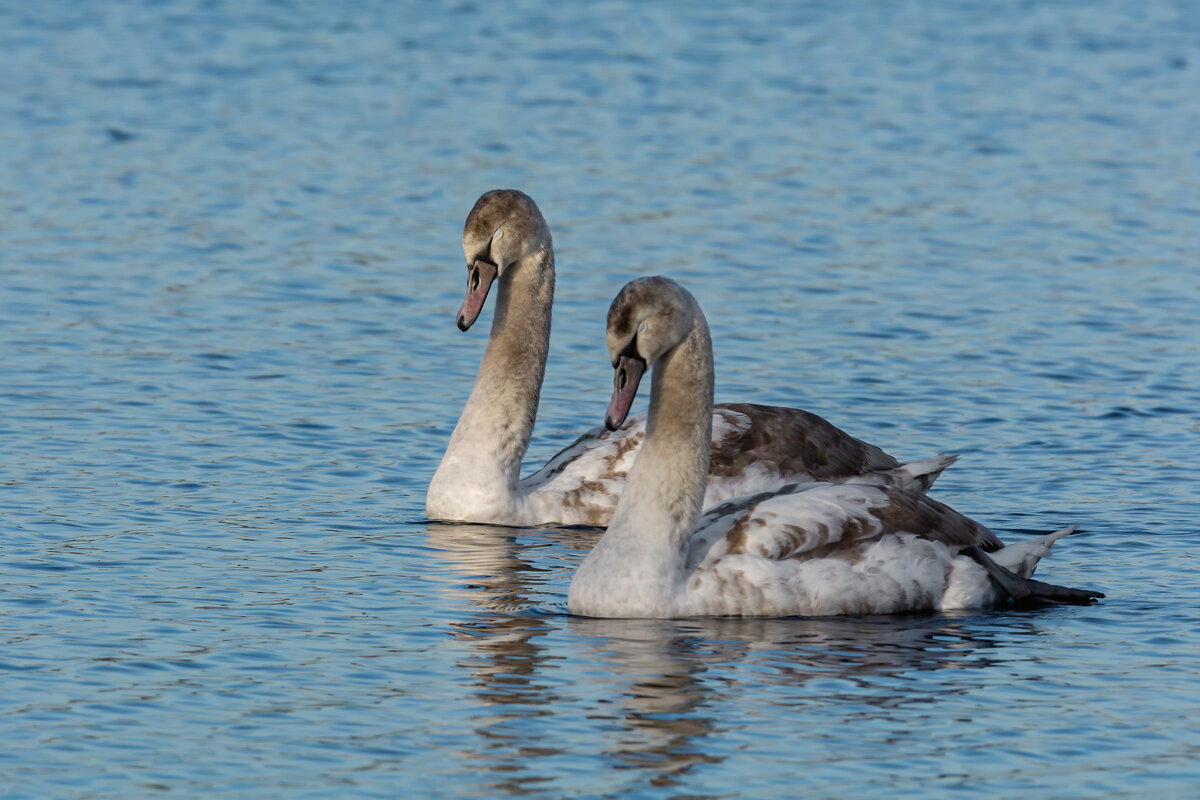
<point>229,267</point>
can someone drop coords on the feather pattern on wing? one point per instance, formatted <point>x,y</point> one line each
<point>819,548</point>
<point>755,448</point>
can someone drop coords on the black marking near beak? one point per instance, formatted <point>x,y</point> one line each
<point>479,281</point>
<point>629,371</point>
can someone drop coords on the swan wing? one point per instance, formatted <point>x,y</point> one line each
<point>758,448</point>
<point>823,520</point>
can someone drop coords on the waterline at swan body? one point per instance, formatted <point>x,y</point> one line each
<point>510,254</point>
<point>858,547</point>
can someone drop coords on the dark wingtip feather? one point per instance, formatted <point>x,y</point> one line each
<point>1027,592</point>
<point>1043,594</point>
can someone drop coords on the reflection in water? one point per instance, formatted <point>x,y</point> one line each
<point>507,570</point>
<point>491,566</point>
<point>654,691</point>
<point>491,569</point>
<point>660,687</point>
<point>672,678</point>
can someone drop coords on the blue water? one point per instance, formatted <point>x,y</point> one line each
<point>229,265</point>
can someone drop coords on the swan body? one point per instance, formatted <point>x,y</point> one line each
<point>866,546</point>
<point>753,448</point>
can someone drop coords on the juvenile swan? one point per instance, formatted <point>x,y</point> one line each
<point>753,447</point>
<point>807,549</point>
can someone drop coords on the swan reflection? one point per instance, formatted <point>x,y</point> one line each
<point>669,682</point>
<point>663,686</point>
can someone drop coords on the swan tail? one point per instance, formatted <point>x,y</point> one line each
<point>1049,539</point>
<point>918,476</point>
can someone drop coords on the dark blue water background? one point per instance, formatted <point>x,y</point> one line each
<point>229,264</point>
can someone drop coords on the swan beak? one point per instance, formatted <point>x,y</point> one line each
<point>625,386</point>
<point>479,281</point>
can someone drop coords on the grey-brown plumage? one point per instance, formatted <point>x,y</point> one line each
<point>794,441</point>
<point>886,510</point>
<point>510,209</point>
<point>507,242</point>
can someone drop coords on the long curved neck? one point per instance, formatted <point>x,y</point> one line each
<point>678,432</point>
<point>639,562</point>
<point>483,459</point>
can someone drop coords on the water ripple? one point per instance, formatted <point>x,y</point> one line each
<point>231,264</point>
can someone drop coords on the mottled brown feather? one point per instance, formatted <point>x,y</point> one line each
<point>920,514</point>
<point>904,511</point>
<point>785,441</point>
<point>792,441</point>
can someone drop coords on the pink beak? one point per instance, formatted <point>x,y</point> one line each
<point>479,281</point>
<point>629,372</point>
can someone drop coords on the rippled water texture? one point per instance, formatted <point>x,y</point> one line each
<point>229,264</point>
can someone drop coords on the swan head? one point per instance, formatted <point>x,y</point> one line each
<point>648,318</point>
<point>504,227</point>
